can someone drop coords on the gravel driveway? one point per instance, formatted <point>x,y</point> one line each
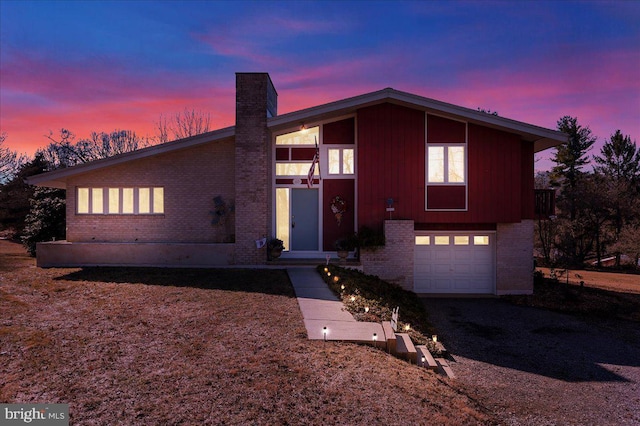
<point>535,367</point>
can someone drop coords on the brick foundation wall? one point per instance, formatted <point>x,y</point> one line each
<point>191,178</point>
<point>252,167</point>
<point>514,258</point>
<point>394,261</point>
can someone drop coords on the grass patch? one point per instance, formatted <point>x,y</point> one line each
<point>582,301</point>
<point>370,299</point>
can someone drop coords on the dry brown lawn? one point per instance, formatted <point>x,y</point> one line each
<point>619,282</point>
<point>153,346</point>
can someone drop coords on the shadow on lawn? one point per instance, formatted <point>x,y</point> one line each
<point>535,340</point>
<point>268,281</point>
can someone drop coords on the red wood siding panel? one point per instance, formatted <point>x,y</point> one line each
<point>391,163</point>
<point>527,191</point>
<point>443,130</point>
<point>494,175</point>
<point>304,154</point>
<point>446,197</point>
<point>345,188</point>
<point>339,132</point>
<point>282,154</point>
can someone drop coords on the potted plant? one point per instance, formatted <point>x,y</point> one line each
<point>274,248</point>
<point>345,245</point>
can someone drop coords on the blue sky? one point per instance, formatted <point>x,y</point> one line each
<point>101,66</point>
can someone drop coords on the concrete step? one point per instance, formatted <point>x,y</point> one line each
<point>425,359</point>
<point>389,337</point>
<point>444,368</point>
<point>405,348</point>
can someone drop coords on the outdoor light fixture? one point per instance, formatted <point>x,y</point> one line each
<point>326,269</point>
<point>423,360</point>
<point>342,287</point>
<point>353,298</point>
<point>407,327</point>
<point>366,309</point>
<point>434,338</point>
<point>375,337</point>
<point>324,333</point>
<point>328,274</point>
<point>336,278</point>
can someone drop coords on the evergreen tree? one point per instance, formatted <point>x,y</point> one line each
<point>619,164</point>
<point>15,195</point>
<point>46,219</point>
<point>570,158</point>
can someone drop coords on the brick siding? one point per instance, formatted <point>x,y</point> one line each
<point>394,261</point>
<point>252,167</point>
<point>190,178</point>
<point>514,254</point>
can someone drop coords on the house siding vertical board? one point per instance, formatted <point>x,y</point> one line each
<point>345,188</point>
<point>392,134</point>
<point>527,190</point>
<point>389,135</point>
<point>494,170</point>
<point>443,130</point>
<point>187,212</point>
<point>339,132</point>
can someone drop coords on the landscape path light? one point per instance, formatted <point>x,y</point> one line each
<point>324,333</point>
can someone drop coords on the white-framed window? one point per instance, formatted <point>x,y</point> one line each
<point>294,169</point>
<point>341,161</point>
<point>307,136</point>
<point>446,164</point>
<point>114,201</point>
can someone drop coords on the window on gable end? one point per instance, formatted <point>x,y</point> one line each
<point>446,164</point>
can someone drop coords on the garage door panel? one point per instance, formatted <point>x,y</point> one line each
<point>442,254</point>
<point>462,268</point>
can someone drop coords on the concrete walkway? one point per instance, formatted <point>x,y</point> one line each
<point>321,308</point>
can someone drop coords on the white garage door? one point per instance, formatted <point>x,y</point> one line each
<point>455,263</point>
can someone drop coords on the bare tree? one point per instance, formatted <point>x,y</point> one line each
<point>182,125</point>
<point>63,151</point>
<point>10,161</point>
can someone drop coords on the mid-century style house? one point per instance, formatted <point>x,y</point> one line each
<point>451,188</point>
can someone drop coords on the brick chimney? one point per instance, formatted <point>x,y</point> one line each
<point>256,100</point>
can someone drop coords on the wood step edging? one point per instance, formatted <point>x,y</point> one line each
<point>429,362</point>
<point>405,348</point>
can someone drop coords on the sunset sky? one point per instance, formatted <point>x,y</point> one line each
<point>101,66</point>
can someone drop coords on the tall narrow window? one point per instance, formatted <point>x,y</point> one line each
<point>158,200</point>
<point>114,200</point>
<point>127,201</point>
<point>144,200</point>
<point>97,201</point>
<point>83,200</point>
<point>283,217</point>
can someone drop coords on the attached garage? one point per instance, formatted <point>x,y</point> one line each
<point>455,263</point>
